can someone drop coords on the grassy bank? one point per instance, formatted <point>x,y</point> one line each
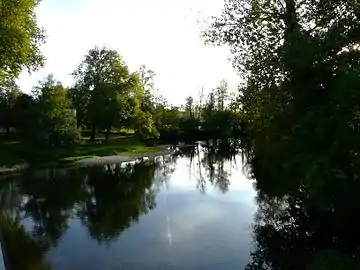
<point>13,153</point>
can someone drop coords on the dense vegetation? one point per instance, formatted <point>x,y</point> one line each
<point>301,64</point>
<point>106,97</point>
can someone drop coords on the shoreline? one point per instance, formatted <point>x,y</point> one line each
<point>4,170</point>
<point>114,159</point>
<point>90,161</point>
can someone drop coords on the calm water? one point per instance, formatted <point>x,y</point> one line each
<point>192,210</point>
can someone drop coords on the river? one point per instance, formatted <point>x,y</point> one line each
<point>190,210</point>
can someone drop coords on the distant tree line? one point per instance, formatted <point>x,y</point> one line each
<point>107,97</point>
<point>216,115</point>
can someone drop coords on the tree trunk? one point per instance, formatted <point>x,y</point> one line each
<point>291,20</point>
<point>107,134</point>
<point>7,132</point>
<point>93,131</point>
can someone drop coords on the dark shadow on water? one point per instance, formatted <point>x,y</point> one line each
<point>36,207</point>
<point>289,234</point>
<point>306,221</point>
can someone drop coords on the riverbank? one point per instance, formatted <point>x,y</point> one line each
<point>108,160</point>
<point>13,169</point>
<point>16,156</point>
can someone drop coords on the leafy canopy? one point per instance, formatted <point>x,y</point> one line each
<point>20,37</point>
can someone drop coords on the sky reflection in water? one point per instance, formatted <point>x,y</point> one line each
<point>182,213</point>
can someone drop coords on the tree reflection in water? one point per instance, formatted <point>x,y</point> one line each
<point>106,199</point>
<point>291,232</point>
<point>211,161</point>
<point>21,250</point>
<point>117,196</point>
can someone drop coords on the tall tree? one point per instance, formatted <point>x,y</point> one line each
<point>20,38</point>
<point>189,106</point>
<point>300,62</point>
<point>146,77</point>
<point>104,86</point>
<point>222,95</point>
<point>148,116</point>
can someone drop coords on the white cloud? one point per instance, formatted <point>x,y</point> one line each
<point>161,34</point>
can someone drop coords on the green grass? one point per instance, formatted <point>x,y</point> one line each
<point>73,159</point>
<point>8,154</point>
<point>12,153</point>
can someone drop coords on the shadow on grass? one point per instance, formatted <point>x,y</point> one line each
<point>12,153</point>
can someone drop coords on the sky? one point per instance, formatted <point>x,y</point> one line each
<point>163,35</point>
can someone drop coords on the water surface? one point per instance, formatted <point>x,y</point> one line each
<point>191,210</point>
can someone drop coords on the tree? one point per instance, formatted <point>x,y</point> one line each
<point>300,63</point>
<point>146,77</point>
<point>108,108</point>
<point>80,97</point>
<point>167,121</point>
<point>104,86</point>
<point>102,211</point>
<point>214,119</point>
<point>20,38</point>
<point>19,243</point>
<point>25,109</point>
<point>9,95</point>
<point>55,120</point>
<point>222,95</point>
<point>143,124</point>
<point>143,105</point>
<point>189,106</point>
<point>284,54</point>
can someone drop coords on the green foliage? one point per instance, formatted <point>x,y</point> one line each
<point>108,96</point>
<point>221,93</point>
<point>216,116</point>
<point>148,99</point>
<point>54,119</point>
<point>167,120</point>
<point>300,63</point>
<point>189,107</point>
<point>144,126</point>
<point>20,38</point>
<point>101,90</point>
<point>17,241</point>
<point>9,97</point>
<point>143,105</point>
<point>302,75</point>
